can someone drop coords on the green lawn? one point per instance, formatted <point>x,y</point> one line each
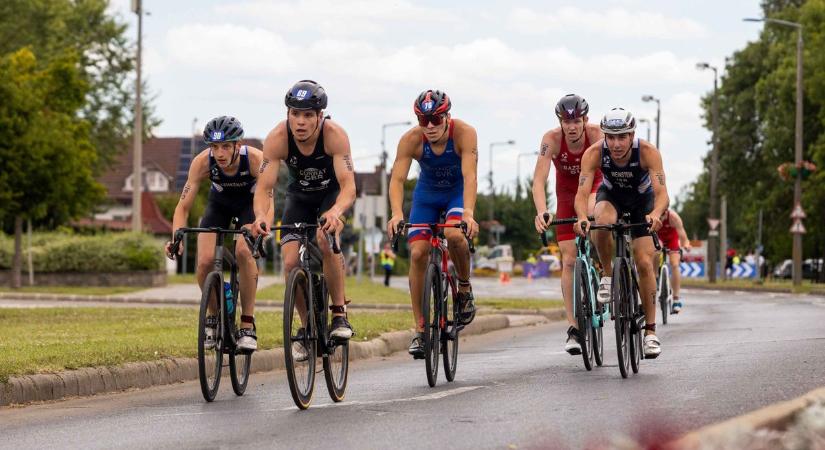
<point>806,287</point>
<point>37,340</point>
<point>76,290</point>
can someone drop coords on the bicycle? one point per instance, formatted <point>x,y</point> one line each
<point>440,308</point>
<point>589,314</point>
<point>664,290</point>
<point>627,312</point>
<point>307,323</point>
<point>214,293</point>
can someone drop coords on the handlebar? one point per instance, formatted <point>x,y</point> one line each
<point>566,221</point>
<point>255,246</point>
<point>403,226</point>
<point>333,241</point>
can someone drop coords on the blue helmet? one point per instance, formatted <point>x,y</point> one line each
<point>223,129</point>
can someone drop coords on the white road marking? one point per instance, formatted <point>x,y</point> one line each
<point>433,396</point>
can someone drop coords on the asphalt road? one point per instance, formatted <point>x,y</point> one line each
<point>727,354</point>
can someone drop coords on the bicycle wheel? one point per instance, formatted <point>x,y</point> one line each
<point>635,328</point>
<point>449,336</point>
<point>300,369</point>
<point>430,311</point>
<point>664,287</point>
<point>210,361</point>
<point>336,362</point>
<point>621,303</point>
<point>584,319</point>
<point>598,319</point>
<point>239,361</point>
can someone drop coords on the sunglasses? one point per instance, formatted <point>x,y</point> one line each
<point>435,120</point>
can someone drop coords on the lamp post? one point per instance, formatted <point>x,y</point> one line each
<point>490,176</point>
<point>650,98</point>
<point>137,145</point>
<point>384,163</point>
<point>646,122</point>
<point>797,187</point>
<point>713,234</point>
<point>518,168</point>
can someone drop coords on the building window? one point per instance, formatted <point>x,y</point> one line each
<point>155,182</point>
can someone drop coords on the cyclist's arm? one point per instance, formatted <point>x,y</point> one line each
<point>337,145</point>
<point>684,242</point>
<point>256,158</point>
<point>548,149</point>
<point>197,172</point>
<point>400,170</point>
<point>651,160</point>
<point>589,165</point>
<point>275,150</point>
<point>468,145</point>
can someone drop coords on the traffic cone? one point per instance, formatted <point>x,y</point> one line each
<point>529,275</point>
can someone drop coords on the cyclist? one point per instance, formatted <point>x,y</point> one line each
<point>633,182</point>
<point>447,151</point>
<point>321,183</point>
<point>564,146</point>
<point>672,235</point>
<point>232,168</point>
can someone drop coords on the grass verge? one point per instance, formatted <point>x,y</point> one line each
<point>76,290</point>
<point>41,340</point>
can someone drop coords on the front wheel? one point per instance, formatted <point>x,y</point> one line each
<point>210,360</point>
<point>621,304</point>
<point>598,320</point>
<point>664,293</point>
<point>336,362</point>
<point>430,313</point>
<point>582,310</point>
<point>300,338</point>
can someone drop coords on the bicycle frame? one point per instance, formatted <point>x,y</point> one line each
<point>583,247</point>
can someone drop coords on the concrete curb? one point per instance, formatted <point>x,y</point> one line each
<point>734,433</point>
<point>773,290</point>
<point>97,380</point>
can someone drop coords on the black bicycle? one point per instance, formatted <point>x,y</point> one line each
<point>664,290</point>
<point>222,300</point>
<point>439,307</point>
<point>627,311</point>
<point>307,324</point>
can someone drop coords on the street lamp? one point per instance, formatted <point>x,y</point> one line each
<point>137,145</point>
<point>713,234</point>
<point>647,122</point>
<point>384,161</point>
<point>650,98</point>
<point>490,175</point>
<point>797,187</point>
<point>518,167</point>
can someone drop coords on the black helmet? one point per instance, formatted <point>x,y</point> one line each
<point>306,94</point>
<point>223,129</point>
<point>431,103</point>
<point>571,106</point>
<point>618,121</point>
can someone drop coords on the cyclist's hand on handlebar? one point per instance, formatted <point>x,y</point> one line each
<point>541,223</point>
<point>392,225</point>
<point>472,225</point>
<point>260,226</point>
<point>581,227</point>
<point>332,223</point>
<point>654,221</point>
<point>168,250</point>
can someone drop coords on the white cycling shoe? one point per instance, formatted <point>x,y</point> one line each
<point>603,296</point>
<point>652,346</point>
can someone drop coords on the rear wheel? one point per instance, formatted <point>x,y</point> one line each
<point>430,312</point>
<point>664,290</point>
<point>210,361</point>
<point>449,338</point>
<point>299,337</point>
<point>621,305</point>
<point>598,321</point>
<point>239,360</point>
<point>582,310</point>
<point>336,363</point>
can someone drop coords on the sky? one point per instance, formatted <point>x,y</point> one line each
<point>504,65</point>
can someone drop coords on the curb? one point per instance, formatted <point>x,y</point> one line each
<point>773,290</point>
<point>98,380</point>
<point>735,433</point>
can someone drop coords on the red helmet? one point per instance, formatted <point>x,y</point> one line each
<point>430,103</point>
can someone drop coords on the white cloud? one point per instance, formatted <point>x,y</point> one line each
<point>336,17</point>
<point>615,23</point>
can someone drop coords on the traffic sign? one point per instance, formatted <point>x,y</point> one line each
<point>798,213</point>
<point>713,224</point>
<point>797,227</point>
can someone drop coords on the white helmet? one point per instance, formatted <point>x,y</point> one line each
<point>618,121</point>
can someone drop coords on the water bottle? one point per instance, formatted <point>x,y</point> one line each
<point>227,292</point>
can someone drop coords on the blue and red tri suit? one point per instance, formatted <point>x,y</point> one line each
<point>440,188</point>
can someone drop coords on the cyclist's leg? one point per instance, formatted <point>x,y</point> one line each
<point>418,242</point>
<point>334,275</point>
<point>643,254</point>
<point>565,237</point>
<point>247,270</point>
<point>605,212</point>
<point>675,278</point>
<point>295,211</point>
<point>460,254</point>
<point>214,216</point>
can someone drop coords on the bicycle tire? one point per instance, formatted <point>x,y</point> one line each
<point>584,319</point>
<point>430,313</point>
<point>210,361</point>
<point>635,330</point>
<point>300,374</point>
<point>598,320</point>
<point>240,361</point>
<point>622,323</point>
<point>336,361</point>
<point>449,336</point>
<point>664,286</point>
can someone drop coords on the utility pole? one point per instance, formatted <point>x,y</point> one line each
<point>137,145</point>
<point>713,234</point>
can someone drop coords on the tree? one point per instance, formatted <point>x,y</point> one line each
<point>46,150</point>
<point>106,59</point>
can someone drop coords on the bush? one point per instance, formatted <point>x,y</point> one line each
<point>115,252</point>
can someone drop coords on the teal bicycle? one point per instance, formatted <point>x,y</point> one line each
<point>590,315</point>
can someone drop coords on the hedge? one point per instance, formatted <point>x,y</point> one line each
<point>114,252</point>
